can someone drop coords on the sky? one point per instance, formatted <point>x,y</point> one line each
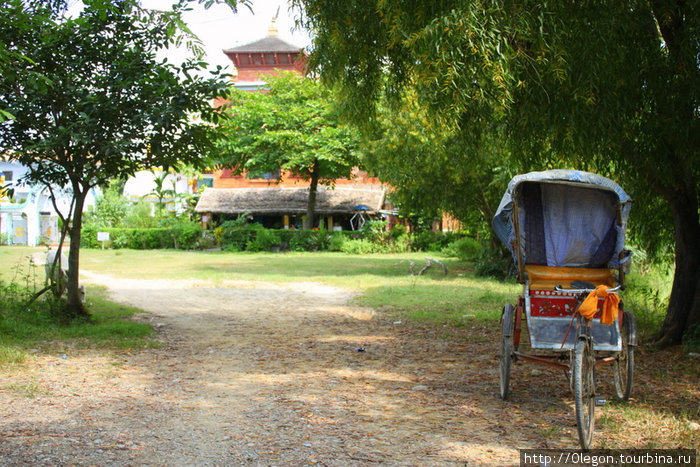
<point>219,28</point>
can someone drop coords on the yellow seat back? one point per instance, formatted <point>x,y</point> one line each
<point>546,277</point>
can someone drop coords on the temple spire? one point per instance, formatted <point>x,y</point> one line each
<point>272,29</point>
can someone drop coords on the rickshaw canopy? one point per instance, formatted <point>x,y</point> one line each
<point>565,218</point>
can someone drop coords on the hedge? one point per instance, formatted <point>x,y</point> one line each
<point>183,236</point>
<point>253,237</point>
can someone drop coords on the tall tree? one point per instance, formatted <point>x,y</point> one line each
<point>615,84</point>
<point>293,126</point>
<point>91,101</point>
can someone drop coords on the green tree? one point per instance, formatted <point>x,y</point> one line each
<point>433,168</point>
<point>293,127</point>
<point>610,86</point>
<point>91,101</point>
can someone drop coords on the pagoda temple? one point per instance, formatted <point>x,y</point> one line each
<point>263,57</point>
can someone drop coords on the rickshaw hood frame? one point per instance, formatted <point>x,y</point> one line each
<point>507,229</point>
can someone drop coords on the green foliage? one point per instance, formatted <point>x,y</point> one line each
<point>235,235</point>
<point>336,242</point>
<point>467,249</point>
<point>519,80</point>
<point>110,208</point>
<point>184,235</point>
<point>492,264</point>
<point>360,246</point>
<point>374,231</point>
<point>293,127</point>
<point>427,240</point>
<point>290,127</point>
<point>265,240</point>
<point>91,100</point>
<point>140,216</point>
<point>434,167</point>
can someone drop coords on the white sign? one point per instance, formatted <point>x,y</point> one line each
<point>102,236</point>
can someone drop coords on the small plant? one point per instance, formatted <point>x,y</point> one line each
<point>336,242</point>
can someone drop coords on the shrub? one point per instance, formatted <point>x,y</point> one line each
<point>183,235</point>
<point>398,231</point>
<point>374,231</point>
<point>234,235</point>
<point>427,240</point>
<point>336,242</point>
<point>360,246</point>
<point>111,208</point>
<point>305,240</point>
<point>465,248</point>
<point>264,240</point>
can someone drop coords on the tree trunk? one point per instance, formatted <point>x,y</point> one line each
<point>684,303</point>
<point>75,306</point>
<point>313,189</point>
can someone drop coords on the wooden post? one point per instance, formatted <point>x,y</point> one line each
<point>330,222</point>
<point>286,222</point>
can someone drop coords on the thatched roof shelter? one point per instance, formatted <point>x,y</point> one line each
<point>271,201</point>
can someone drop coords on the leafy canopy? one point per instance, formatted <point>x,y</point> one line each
<point>292,126</point>
<point>608,86</point>
<point>87,99</point>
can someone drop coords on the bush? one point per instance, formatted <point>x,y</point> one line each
<point>427,240</point>
<point>305,240</point>
<point>264,240</point>
<point>234,235</point>
<point>360,246</point>
<point>186,235</point>
<point>336,242</point>
<point>466,249</point>
<point>374,231</point>
<point>398,231</point>
<point>182,236</point>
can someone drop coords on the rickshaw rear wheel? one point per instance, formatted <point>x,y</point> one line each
<point>584,392</point>
<point>623,366</point>
<point>506,350</point>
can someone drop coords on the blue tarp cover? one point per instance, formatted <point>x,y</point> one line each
<point>577,217</point>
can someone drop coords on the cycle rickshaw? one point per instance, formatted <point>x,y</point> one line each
<point>566,232</point>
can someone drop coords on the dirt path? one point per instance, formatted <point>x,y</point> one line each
<point>254,373</point>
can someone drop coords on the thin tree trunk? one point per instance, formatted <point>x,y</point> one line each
<point>75,304</point>
<point>313,189</point>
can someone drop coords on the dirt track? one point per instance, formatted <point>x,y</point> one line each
<point>253,373</point>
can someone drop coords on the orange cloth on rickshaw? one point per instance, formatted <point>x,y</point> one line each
<point>610,305</point>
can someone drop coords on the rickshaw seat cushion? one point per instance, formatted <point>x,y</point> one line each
<point>547,277</point>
